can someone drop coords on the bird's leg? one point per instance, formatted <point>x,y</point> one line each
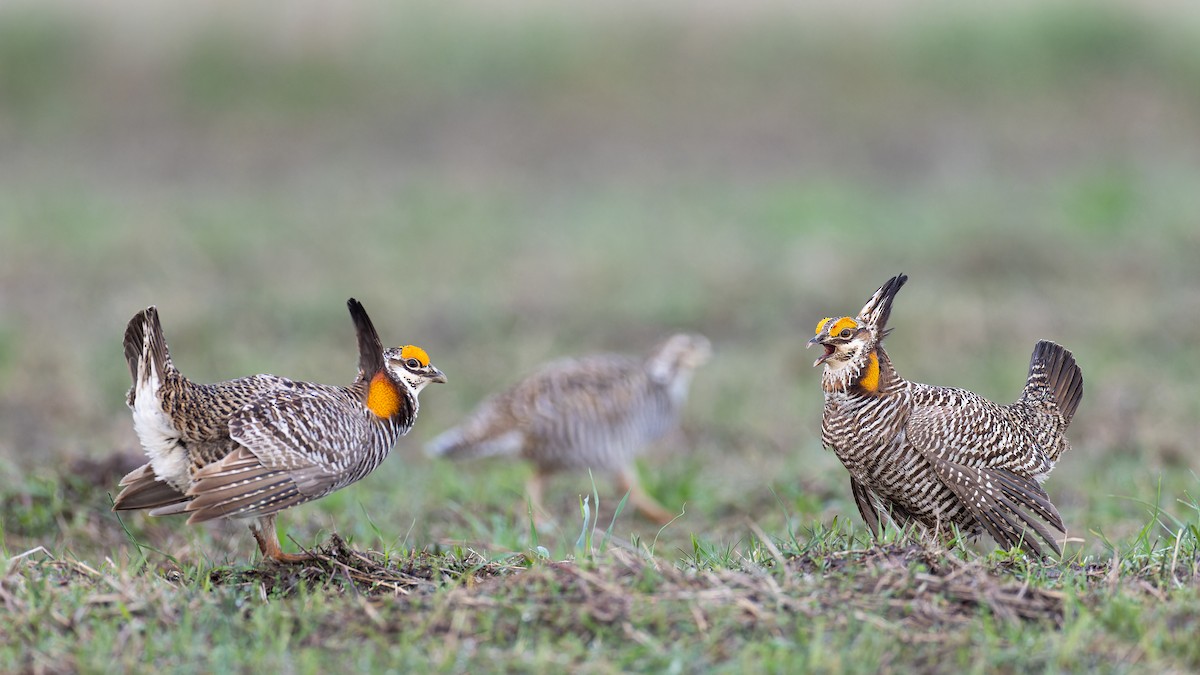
<point>267,537</point>
<point>627,481</point>
<point>533,492</point>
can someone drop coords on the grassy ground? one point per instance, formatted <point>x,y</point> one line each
<point>508,186</point>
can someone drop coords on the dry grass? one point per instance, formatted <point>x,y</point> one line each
<point>927,604</point>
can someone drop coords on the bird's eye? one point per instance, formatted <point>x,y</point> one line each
<point>845,332</point>
<point>413,364</point>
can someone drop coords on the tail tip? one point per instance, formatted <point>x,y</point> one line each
<point>142,338</point>
<point>441,444</point>
<point>1063,375</point>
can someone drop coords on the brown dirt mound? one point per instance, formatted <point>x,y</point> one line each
<point>368,573</point>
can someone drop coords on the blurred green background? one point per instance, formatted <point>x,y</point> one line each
<point>505,183</point>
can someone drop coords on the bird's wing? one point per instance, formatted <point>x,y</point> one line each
<point>999,498</point>
<point>965,428</point>
<point>1001,502</point>
<point>296,446</point>
<point>600,389</point>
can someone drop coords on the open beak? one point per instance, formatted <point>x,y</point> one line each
<point>829,350</point>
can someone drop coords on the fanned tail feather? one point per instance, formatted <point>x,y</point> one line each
<point>1052,369</point>
<point>144,341</point>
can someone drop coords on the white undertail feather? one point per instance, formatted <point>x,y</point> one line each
<point>154,429</point>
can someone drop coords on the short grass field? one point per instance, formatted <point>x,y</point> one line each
<point>507,183</point>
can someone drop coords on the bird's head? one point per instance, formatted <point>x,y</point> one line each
<point>410,364</point>
<point>678,355</point>
<point>843,339</point>
<point>849,343</point>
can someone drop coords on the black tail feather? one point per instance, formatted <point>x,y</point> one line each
<point>1052,367</point>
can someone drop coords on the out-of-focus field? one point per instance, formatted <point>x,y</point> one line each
<point>508,183</point>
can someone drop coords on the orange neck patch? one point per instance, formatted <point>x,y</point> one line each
<point>870,379</point>
<point>383,398</point>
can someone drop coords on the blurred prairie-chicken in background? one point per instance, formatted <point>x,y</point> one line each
<point>939,456</point>
<point>251,447</point>
<point>596,412</point>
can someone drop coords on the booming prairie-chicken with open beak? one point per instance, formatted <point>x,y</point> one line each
<point>939,456</point>
<point>254,446</point>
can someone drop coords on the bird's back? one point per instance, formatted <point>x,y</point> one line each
<point>968,429</point>
<point>201,412</point>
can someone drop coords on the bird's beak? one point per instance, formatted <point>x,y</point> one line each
<point>438,376</point>
<point>829,350</point>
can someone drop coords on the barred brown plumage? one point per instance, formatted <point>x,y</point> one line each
<point>595,412</point>
<point>941,456</point>
<point>257,445</point>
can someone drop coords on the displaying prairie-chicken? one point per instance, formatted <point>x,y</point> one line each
<point>595,412</point>
<point>940,456</point>
<point>254,446</point>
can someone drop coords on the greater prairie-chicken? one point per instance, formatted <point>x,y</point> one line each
<point>940,456</point>
<point>251,447</point>
<point>595,412</point>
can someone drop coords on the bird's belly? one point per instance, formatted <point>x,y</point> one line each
<point>903,478</point>
<point>598,457</point>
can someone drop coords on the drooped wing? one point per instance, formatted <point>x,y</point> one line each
<point>976,463</point>
<point>297,445</point>
<point>1002,501</point>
